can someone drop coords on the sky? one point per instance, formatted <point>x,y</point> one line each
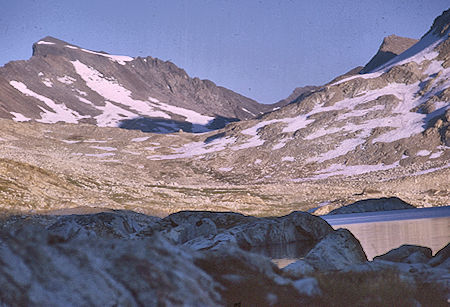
<point>260,49</point>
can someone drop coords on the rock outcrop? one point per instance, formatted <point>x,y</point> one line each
<point>337,251</point>
<point>373,205</point>
<point>407,254</point>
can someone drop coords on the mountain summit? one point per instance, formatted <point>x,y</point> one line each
<point>67,83</point>
<point>392,46</point>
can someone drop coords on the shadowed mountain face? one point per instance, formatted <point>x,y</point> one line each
<point>67,83</point>
<point>392,46</point>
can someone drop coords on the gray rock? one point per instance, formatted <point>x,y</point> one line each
<point>441,256</point>
<point>298,269</point>
<point>374,204</point>
<point>250,279</point>
<point>307,286</point>
<point>336,251</point>
<point>114,224</point>
<point>36,270</point>
<point>185,232</point>
<point>407,254</point>
<point>295,227</point>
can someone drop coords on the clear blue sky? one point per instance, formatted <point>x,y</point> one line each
<point>261,49</point>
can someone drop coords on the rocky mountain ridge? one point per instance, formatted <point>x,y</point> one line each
<point>66,83</point>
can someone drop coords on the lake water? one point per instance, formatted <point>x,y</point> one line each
<point>379,232</point>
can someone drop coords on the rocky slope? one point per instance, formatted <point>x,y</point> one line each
<point>66,83</point>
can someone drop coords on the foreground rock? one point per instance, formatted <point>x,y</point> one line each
<point>374,204</point>
<point>38,270</point>
<point>337,251</point>
<point>295,227</point>
<point>414,265</point>
<point>407,254</point>
<point>104,259</point>
<point>125,258</point>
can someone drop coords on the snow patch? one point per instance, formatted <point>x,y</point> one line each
<point>66,80</point>
<point>105,148</point>
<point>19,117</point>
<point>101,155</point>
<point>344,170</point>
<point>436,155</point>
<point>112,91</point>
<point>245,110</point>
<point>226,169</point>
<point>121,59</point>
<point>45,43</point>
<point>60,111</point>
<point>141,139</point>
<point>431,170</point>
<point>71,47</point>
<point>287,159</point>
<point>47,82</point>
<point>423,153</point>
<point>191,116</point>
<point>196,148</point>
<point>85,100</point>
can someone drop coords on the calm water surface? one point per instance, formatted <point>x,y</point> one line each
<point>379,232</point>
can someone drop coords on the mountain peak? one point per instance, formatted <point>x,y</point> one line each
<point>391,46</point>
<point>50,45</point>
<point>396,44</point>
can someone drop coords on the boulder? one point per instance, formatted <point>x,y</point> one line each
<point>112,224</point>
<point>222,220</point>
<point>374,204</point>
<point>307,286</point>
<point>36,270</point>
<point>441,256</point>
<point>298,269</point>
<point>248,279</point>
<point>187,231</point>
<point>295,227</point>
<point>407,254</point>
<point>336,251</point>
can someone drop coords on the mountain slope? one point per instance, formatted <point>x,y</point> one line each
<point>63,82</point>
<point>395,120</point>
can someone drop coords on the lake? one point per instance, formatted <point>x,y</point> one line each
<point>379,232</point>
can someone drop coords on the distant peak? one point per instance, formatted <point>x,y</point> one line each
<point>396,44</point>
<point>50,40</point>
<point>391,46</point>
<point>50,45</point>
